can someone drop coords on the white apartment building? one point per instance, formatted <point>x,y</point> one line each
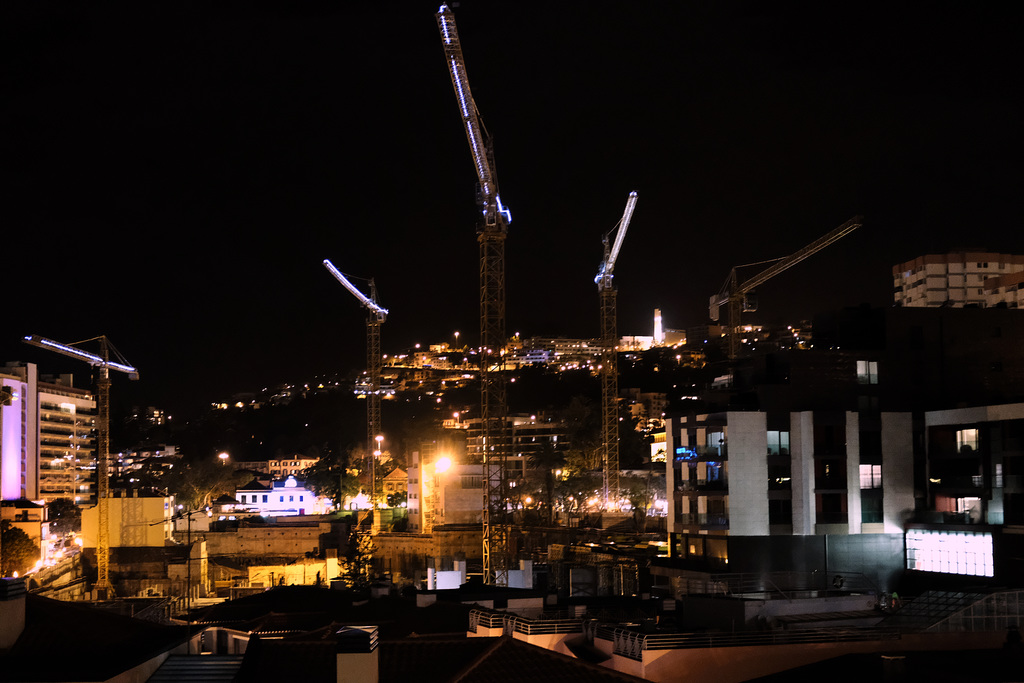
<point>958,279</point>
<point>47,446</point>
<point>743,473</point>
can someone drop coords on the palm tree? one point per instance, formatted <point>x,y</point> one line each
<point>548,459</point>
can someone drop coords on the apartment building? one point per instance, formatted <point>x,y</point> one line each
<point>47,443</point>
<point>963,278</point>
<point>899,444</point>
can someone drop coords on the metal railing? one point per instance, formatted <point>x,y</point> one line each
<point>512,623</point>
<point>630,643</point>
<point>533,627</point>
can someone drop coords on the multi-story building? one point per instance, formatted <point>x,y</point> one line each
<point>443,492</point>
<point>48,439</point>
<point>962,278</point>
<point>766,473</point>
<point>899,437</point>
<point>562,353</point>
<point>529,435</point>
<point>975,494</point>
<point>296,464</point>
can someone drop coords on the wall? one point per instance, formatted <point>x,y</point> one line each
<point>405,554</point>
<point>134,522</point>
<point>748,474</point>
<point>270,540</point>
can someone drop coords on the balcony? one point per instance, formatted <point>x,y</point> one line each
<point>831,517</point>
<point>833,483</point>
<point>971,483</point>
<point>720,521</point>
<point>712,452</point>
<point>720,484</point>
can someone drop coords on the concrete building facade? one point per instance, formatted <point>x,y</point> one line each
<point>963,278</point>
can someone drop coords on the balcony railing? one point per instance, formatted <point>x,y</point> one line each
<point>712,452</point>
<point>631,644</point>
<point>966,481</point>
<point>721,484</point>
<point>702,519</point>
<point>830,483</point>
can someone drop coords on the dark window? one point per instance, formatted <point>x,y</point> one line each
<point>780,512</point>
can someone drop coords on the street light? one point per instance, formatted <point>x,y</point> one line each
<point>373,471</point>
<point>224,458</point>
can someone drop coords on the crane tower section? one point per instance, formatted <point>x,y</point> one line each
<point>103,365</point>
<point>609,355</point>
<point>375,317</point>
<point>494,218</point>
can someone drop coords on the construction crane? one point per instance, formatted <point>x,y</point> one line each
<point>494,218</point>
<point>103,365</point>
<point>609,354</point>
<point>375,317</point>
<point>739,297</point>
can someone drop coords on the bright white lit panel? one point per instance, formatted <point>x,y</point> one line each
<point>950,552</point>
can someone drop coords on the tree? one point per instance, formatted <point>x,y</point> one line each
<point>634,445</point>
<point>330,477</point>
<point>548,459</point>
<point>194,485</point>
<point>359,552</point>
<point>397,498</point>
<point>65,517</point>
<point>19,552</point>
<point>584,433</point>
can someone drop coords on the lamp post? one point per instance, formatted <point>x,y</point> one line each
<point>373,471</point>
<point>187,515</point>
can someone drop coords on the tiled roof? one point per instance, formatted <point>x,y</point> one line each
<point>513,660</point>
<point>253,485</point>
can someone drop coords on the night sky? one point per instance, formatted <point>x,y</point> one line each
<point>181,170</point>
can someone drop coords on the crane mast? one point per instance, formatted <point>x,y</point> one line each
<point>733,293</point>
<point>494,218</point>
<point>376,315</point>
<point>609,355</point>
<point>103,365</point>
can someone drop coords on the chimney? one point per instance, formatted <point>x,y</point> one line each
<point>12,611</point>
<point>357,654</point>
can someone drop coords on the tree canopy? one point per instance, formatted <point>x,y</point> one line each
<point>19,553</point>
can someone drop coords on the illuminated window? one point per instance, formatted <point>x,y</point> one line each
<point>966,440</point>
<point>867,372</point>
<point>871,476</point>
<point>778,443</point>
<point>716,441</point>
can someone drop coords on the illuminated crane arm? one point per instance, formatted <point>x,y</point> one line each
<point>90,358</point>
<point>369,303</point>
<point>731,289</point>
<point>479,146</point>
<point>604,274</point>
